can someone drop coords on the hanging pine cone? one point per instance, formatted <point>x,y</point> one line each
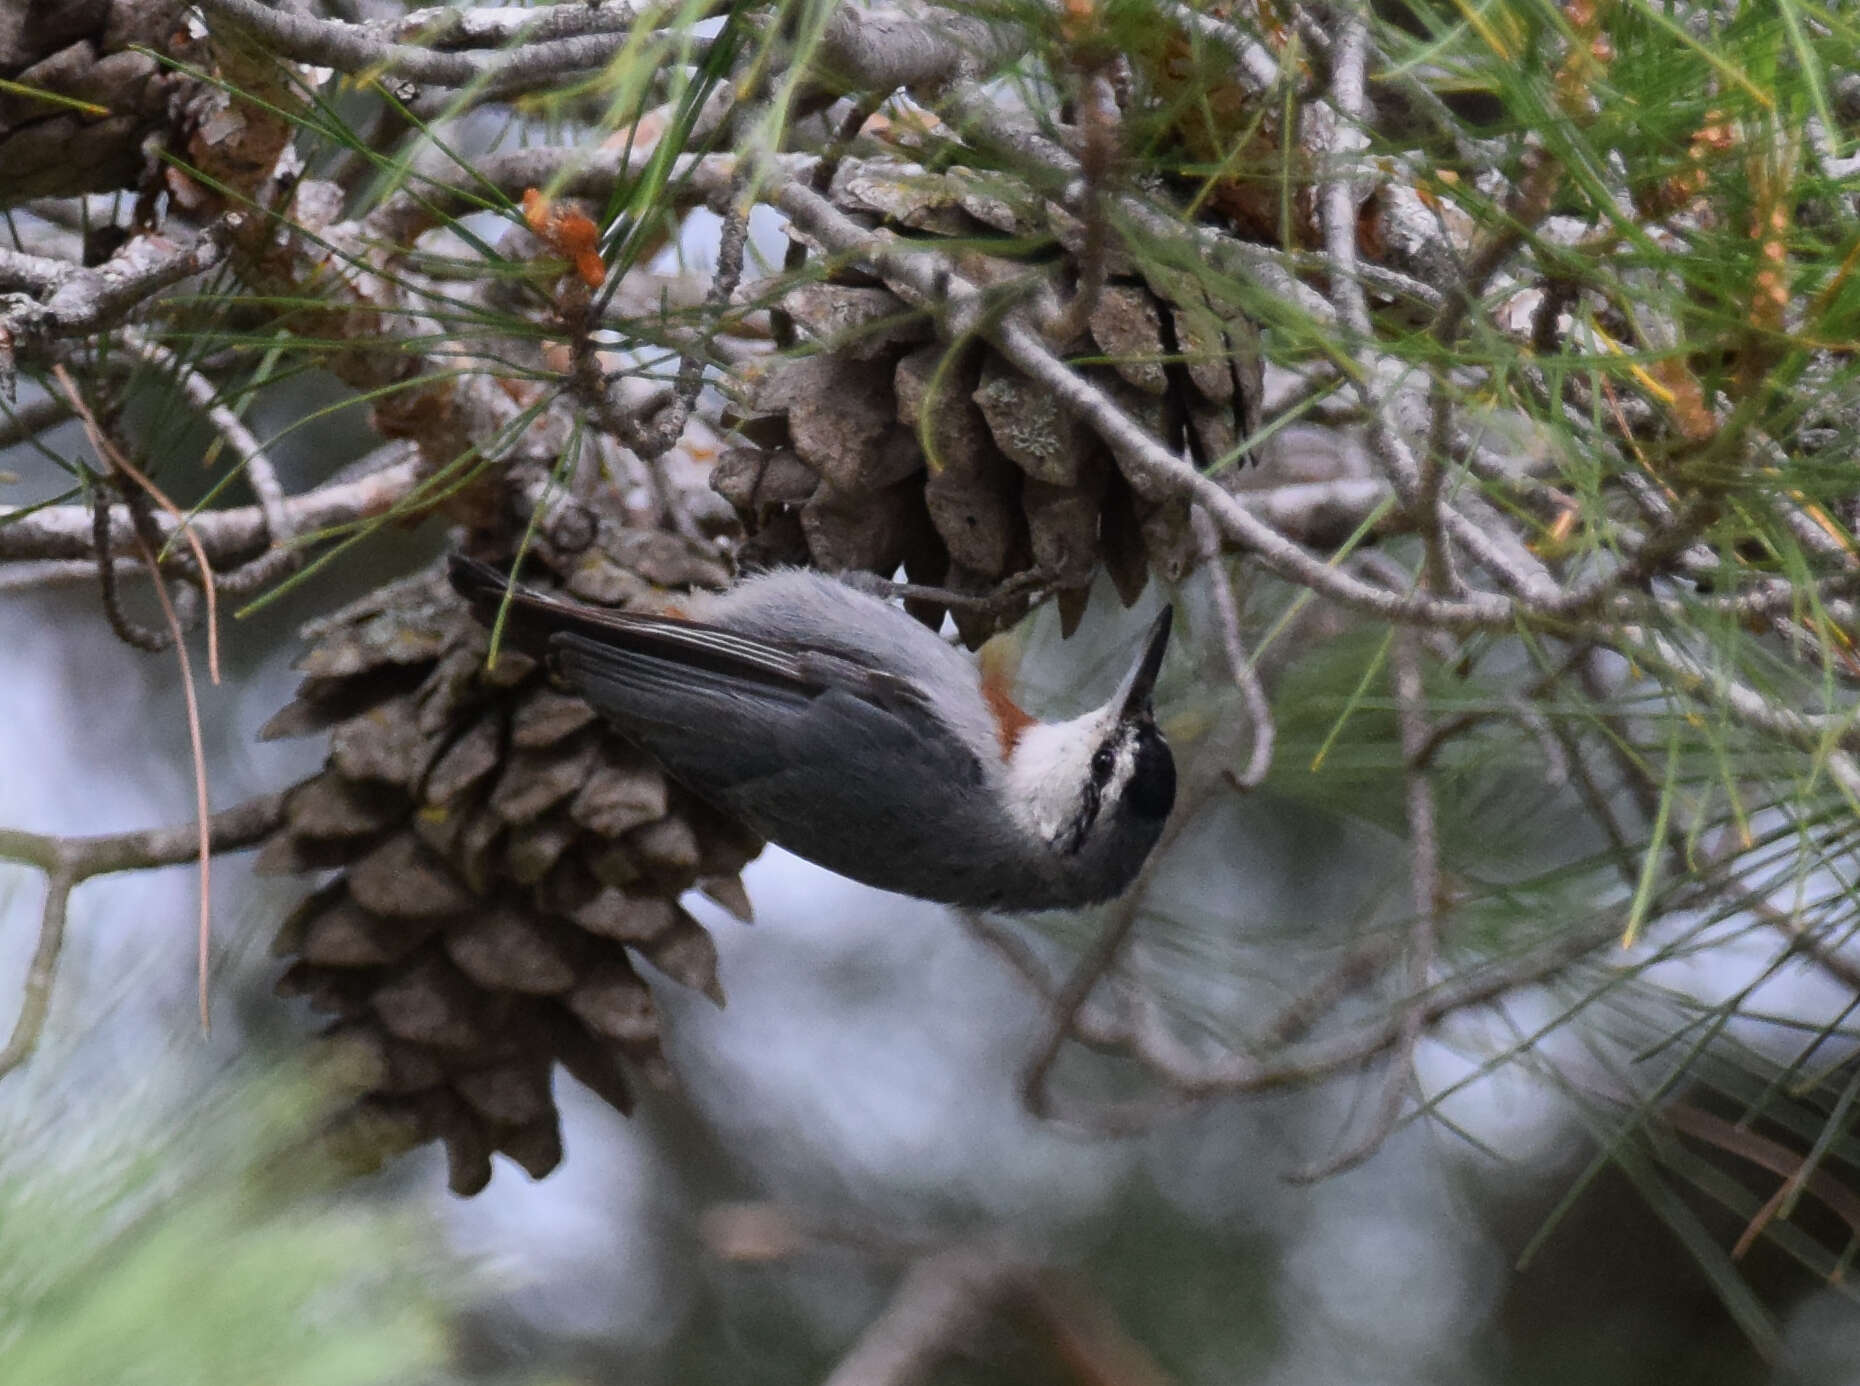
<point>886,448</point>
<point>501,858</point>
<point>58,59</point>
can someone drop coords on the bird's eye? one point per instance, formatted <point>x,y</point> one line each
<point>1101,763</point>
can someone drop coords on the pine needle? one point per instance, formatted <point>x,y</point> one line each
<point>112,456</point>
<point>108,453</point>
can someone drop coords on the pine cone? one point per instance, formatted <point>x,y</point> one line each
<point>55,54</point>
<point>502,858</point>
<point>888,449</point>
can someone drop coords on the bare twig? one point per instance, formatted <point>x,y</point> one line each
<point>46,574</point>
<point>69,861</point>
<point>131,633</point>
<point>1239,662</point>
<point>883,50</point>
<point>1342,143</point>
<point>85,301</point>
<point>1090,970</point>
<point>23,421</point>
<point>567,171</point>
<point>260,474</point>
<point>1837,732</point>
<point>939,1305</point>
<point>1185,1079</point>
<point>1013,594</point>
<point>1093,1026</point>
<point>948,1294</point>
<point>652,442</point>
<point>1102,956</point>
<point>1427,900</point>
<point>353,48</point>
<point>1710,877</point>
<point>502,26</point>
<point>65,531</point>
<point>112,456</point>
<point>1520,709</point>
<point>1340,138</point>
<point>38,274</point>
<point>1528,206</point>
<point>1254,63</point>
<point>35,1003</point>
<point>1839,966</point>
<point>1097,126</point>
<point>1360,965</point>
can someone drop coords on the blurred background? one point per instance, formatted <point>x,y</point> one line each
<point>849,1114</point>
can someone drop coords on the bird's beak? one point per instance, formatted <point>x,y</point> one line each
<point>1133,700</point>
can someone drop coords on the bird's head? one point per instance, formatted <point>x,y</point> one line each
<point>1098,788</point>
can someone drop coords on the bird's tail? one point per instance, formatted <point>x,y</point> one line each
<point>530,618</point>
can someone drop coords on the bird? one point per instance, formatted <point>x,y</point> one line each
<point>840,728</point>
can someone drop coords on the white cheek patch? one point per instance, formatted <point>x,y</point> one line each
<point>1050,767</point>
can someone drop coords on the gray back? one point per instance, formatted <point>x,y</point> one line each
<point>883,765</point>
<point>805,607</point>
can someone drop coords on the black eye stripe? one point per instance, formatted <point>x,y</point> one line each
<point>1147,792</point>
<point>1074,836</point>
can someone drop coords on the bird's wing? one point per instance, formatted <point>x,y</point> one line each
<point>689,690</point>
<point>837,759</point>
<point>734,729</point>
<point>532,621</point>
<point>690,650</point>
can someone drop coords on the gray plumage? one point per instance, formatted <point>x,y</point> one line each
<point>841,729</point>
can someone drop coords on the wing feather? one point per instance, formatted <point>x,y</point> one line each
<point>542,625</point>
<point>599,667</point>
<point>717,705</point>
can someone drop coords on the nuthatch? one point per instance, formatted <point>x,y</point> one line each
<point>840,728</point>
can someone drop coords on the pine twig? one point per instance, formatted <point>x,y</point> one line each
<point>260,473</point>
<point>1426,899</point>
<point>112,456</point>
<point>130,632</point>
<point>69,861</point>
<point>1239,663</point>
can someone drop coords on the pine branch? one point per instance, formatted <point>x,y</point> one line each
<point>68,862</point>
